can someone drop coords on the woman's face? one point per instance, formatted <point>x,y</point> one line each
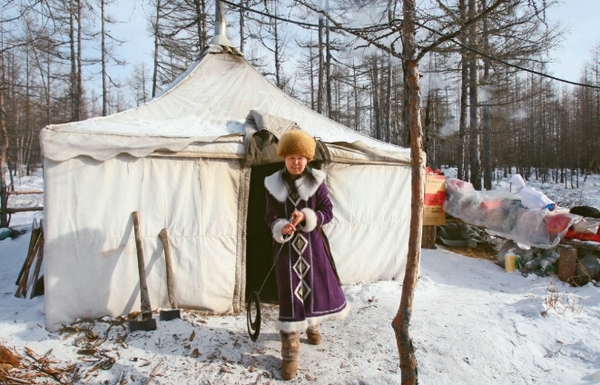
<point>295,164</point>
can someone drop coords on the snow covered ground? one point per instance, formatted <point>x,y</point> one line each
<point>472,323</point>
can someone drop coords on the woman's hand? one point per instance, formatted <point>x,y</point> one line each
<point>289,228</point>
<point>297,217</point>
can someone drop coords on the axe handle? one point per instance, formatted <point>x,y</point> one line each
<point>145,298</point>
<point>170,276</point>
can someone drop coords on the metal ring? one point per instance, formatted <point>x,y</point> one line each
<point>253,326</point>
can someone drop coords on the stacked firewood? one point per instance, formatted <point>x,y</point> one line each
<point>35,254</point>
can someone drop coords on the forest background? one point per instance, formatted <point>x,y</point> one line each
<point>486,106</point>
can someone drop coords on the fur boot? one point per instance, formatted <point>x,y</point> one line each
<point>313,335</point>
<point>290,352</point>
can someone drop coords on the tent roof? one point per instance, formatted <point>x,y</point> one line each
<point>205,107</point>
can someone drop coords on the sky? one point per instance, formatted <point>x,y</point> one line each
<point>472,323</point>
<point>580,18</point>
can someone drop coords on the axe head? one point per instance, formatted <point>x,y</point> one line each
<point>168,315</point>
<point>145,325</point>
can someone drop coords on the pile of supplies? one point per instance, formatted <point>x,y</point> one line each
<point>531,224</point>
<point>528,217</point>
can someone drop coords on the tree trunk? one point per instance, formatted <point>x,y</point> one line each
<point>486,113</point>
<point>401,322</point>
<point>321,85</point>
<point>375,88</point>
<point>462,125</point>
<point>474,135</point>
<point>3,154</point>
<point>103,59</point>
<point>73,75</point>
<point>387,132</point>
<point>276,55</point>
<point>79,73</point>
<point>200,8</point>
<point>242,24</point>
<point>156,31</point>
<point>328,99</point>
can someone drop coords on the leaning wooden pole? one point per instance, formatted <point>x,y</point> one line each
<point>401,322</point>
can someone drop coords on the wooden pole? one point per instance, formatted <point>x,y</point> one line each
<point>146,308</point>
<point>168,262</point>
<point>401,322</point>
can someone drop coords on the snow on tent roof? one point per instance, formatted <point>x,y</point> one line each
<point>208,103</point>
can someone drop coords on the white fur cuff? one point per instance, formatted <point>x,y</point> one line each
<point>277,228</point>
<point>310,221</point>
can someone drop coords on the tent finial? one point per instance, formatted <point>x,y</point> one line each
<point>220,37</point>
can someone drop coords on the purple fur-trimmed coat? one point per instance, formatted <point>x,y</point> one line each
<point>308,289</point>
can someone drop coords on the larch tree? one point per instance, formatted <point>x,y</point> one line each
<point>3,149</point>
<point>107,54</point>
<point>474,129</point>
<point>507,31</point>
<point>180,29</point>
<point>139,82</point>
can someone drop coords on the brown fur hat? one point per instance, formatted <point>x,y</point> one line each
<point>296,142</point>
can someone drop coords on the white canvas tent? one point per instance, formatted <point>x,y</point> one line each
<point>179,160</point>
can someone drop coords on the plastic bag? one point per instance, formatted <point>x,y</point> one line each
<point>517,181</point>
<point>534,199</point>
<point>586,225</point>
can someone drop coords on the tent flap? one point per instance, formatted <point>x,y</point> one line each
<point>262,132</point>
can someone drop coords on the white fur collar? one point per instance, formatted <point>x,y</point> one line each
<point>305,185</point>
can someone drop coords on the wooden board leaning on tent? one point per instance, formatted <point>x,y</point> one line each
<point>35,254</point>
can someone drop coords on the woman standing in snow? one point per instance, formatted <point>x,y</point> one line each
<point>297,205</point>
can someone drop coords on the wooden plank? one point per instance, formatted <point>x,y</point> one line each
<point>38,264</point>
<point>25,192</point>
<point>23,284</point>
<point>14,210</point>
<point>35,233</point>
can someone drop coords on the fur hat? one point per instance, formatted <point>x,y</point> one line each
<point>296,142</point>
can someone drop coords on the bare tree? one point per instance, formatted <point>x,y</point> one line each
<point>474,130</point>
<point>180,32</point>
<point>107,53</point>
<point>3,151</point>
<point>139,84</point>
<point>274,37</point>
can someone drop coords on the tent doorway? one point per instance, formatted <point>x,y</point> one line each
<point>259,241</point>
